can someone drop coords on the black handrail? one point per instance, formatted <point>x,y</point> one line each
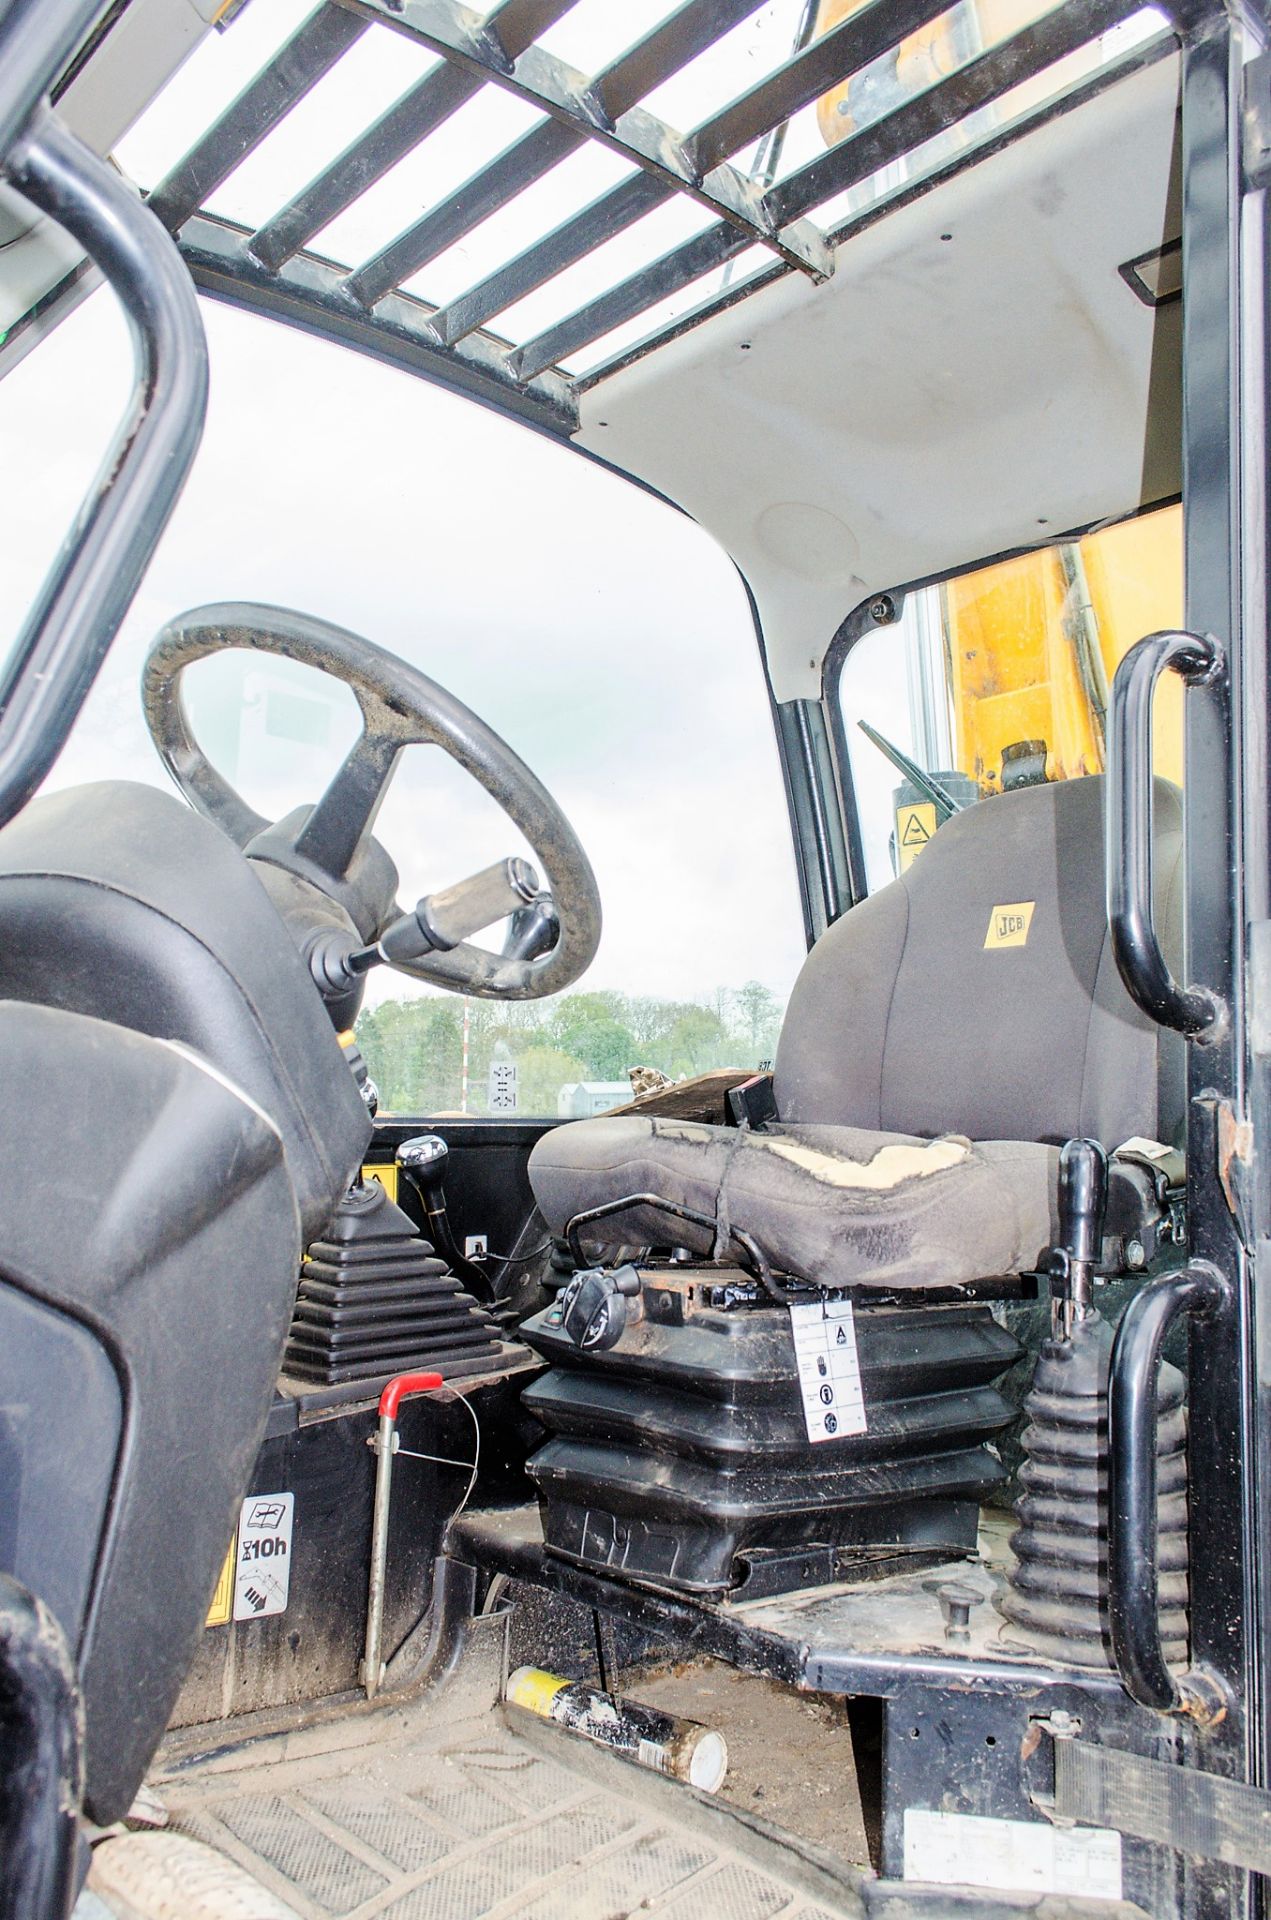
<point>1133,1571</point>
<point>1198,660</point>
<point>92,581</point>
<point>36,44</point>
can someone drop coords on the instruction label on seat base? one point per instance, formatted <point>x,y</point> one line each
<point>829,1371</point>
<point>1011,1856</point>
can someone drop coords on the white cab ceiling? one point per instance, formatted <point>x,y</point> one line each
<point>976,377</point>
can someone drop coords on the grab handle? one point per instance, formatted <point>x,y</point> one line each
<point>1133,1569</point>
<point>1198,660</point>
<point>99,566</point>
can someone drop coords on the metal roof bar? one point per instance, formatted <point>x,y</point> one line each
<point>312,51</point>
<point>410,119</point>
<point>577,103</point>
<point>309,293</point>
<point>1021,57</point>
<point>688,32</point>
<point>858,41</point>
<point>1065,30</point>
<point>1076,92</point>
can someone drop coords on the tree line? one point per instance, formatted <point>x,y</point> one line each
<point>414,1048</point>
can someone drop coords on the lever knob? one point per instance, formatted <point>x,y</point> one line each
<point>1083,1199</point>
<point>423,1161</point>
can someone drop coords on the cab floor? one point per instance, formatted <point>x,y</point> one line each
<point>499,1818</point>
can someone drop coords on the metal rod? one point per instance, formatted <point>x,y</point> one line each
<point>916,120</point>
<point>580,105</point>
<point>1198,660</point>
<point>36,42</point>
<point>385,1441</point>
<point>689,32</point>
<point>403,1386</point>
<point>1133,1583</point>
<point>92,581</point>
<point>309,293</point>
<point>311,52</point>
<point>1021,57</point>
<point>853,43</point>
<point>420,111</point>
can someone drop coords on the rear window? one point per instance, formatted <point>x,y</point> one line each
<point>1000,677</point>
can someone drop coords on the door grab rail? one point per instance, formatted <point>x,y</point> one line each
<point>100,564</point>
<point>1199,661</point>
<point>1133,1570</point>
<point>37,42</point>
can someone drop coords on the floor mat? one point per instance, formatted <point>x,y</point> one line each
<point>478,1822</point>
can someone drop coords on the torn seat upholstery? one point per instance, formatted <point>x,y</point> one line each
<point>944,1038</point>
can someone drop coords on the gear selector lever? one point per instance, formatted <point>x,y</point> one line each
<point>1083,1200</point>
<point>423,1161</point>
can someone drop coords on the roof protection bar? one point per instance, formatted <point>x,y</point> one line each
<point>501,45</point>
<point>1025,55</point>
<point>92,581</point>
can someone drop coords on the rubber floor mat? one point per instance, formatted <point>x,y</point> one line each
<point>477,1823</point>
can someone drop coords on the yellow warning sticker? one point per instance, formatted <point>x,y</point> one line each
<point>387,1177</point>
<point>915,825</point>
<point>222,1607</point>
<point>1008,925</point>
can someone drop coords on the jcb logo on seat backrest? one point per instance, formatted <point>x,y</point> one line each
<point>1009,924</point>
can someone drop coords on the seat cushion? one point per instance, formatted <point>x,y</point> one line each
<point>839,1206</point>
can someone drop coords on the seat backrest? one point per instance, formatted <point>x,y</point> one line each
<point>117,900</point>
<point>978,993</point>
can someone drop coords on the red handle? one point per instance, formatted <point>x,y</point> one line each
<point>405,1384</point>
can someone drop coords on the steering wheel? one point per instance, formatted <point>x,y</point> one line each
<point>329,846</point>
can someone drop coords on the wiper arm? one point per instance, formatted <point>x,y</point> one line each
<point>929,787</point>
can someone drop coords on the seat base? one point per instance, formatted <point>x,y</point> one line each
<point>684,1447</point>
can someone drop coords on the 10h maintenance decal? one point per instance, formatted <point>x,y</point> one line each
<point>255,1580</point>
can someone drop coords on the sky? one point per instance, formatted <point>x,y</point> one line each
<point>606,637</point>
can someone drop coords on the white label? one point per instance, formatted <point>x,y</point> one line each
<point>262,1566</point>
<point>475,1247</point>
<point>829,1372</point>
<point>1026,1856</point>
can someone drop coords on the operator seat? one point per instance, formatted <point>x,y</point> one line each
<point>181,1122</point>
<point>943,1040</point>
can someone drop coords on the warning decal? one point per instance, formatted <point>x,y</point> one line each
<point>829,1371</point>
<point>221,1610</point>
<point>262,1566</point>
<point>914,827</point>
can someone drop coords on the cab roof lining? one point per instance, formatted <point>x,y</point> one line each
<point>977,378</point>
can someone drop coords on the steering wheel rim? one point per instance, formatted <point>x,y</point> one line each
<point>400,707</point>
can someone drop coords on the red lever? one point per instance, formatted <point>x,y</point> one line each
<point>402,1387</point>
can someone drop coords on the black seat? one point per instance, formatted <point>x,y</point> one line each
<point>943,1040</point>
<point>179,1117</point>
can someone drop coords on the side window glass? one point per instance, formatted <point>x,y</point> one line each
<point>999,678</point>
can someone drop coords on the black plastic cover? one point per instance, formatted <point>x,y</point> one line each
<point>116,900</point>
<point>148,1206</point>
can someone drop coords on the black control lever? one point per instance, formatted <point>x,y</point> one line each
<point>423,1162</point>
<point>1083,1202</point>
<point>436,924</point>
